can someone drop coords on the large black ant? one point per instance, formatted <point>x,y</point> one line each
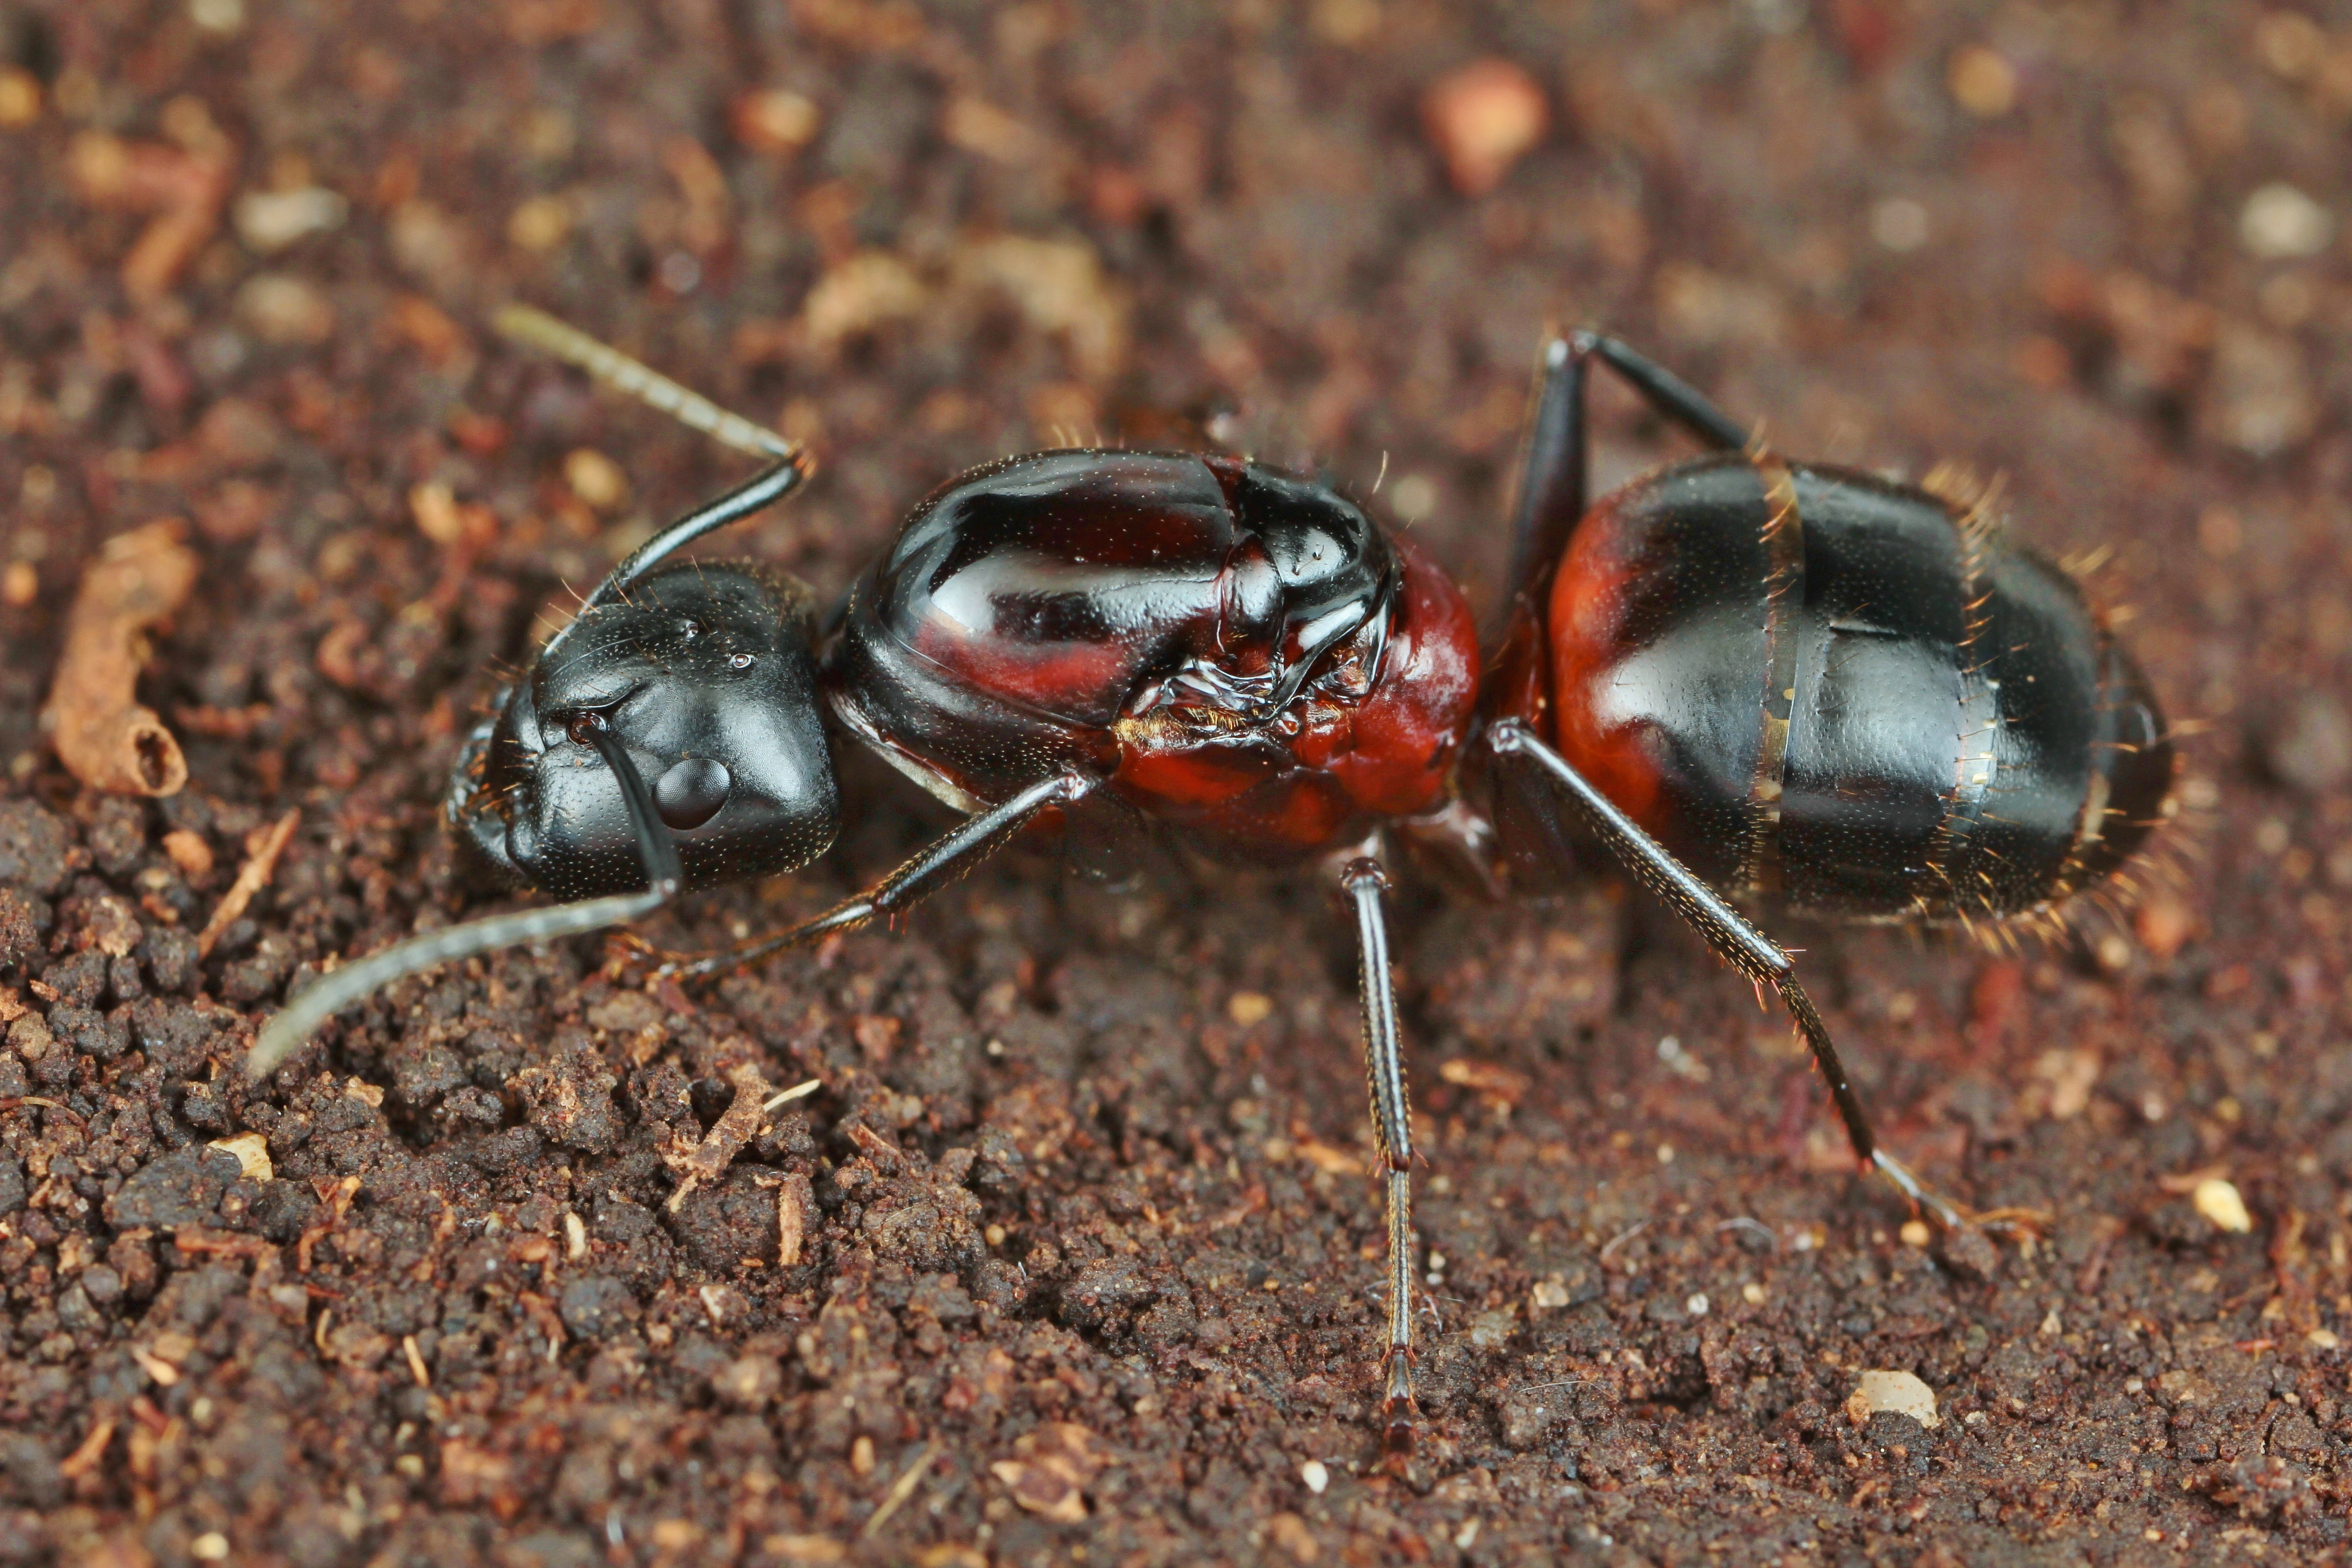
<point>1739,675</point>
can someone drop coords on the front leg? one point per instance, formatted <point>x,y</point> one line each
<point>926,872</point>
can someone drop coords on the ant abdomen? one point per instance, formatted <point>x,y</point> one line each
<point>1849,694</point>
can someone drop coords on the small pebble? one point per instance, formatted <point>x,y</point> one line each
<point>1899,223</point>
<point>435,507</point>
<point>252,1151</point>
<point>2258,394</point>
<point>1915,1232</point>
<point>2309,748</point>
<point>541,224</point>
<point>1345,21</point>
<point>1900,1391</point>
<point>2164,925</point>
<point>1982,81</point>
<point>2219,1202</point>
<point>2279,223</point>
<point>285,310</point>
<point>270,221</point>
<point>774,121</point>
<point>595,479</point>
<point>20,97</point>
<point>1484,117</point>
<point>189,852</point>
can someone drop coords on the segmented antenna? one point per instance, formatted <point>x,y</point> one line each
<point>656,849</point>
<point>356,982</point>
<point>618,370</point>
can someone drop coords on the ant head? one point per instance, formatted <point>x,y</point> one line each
<point>703,674</point>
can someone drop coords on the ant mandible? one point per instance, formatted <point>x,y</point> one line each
<point>1739,675</point>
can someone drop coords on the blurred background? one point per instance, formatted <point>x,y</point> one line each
<point>248,249</point>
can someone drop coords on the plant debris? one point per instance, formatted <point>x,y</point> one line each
<point>103,734</point>
<point>262,851</point>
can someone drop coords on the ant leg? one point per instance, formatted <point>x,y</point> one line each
<point>763,489</point>
<point>1392,1117</point>
<point>1664,391</point>
<point>1734,940</point>
<point>1555,469</point>
<point>928,870</point>
<point>1554,480</point>
<point>333,992</point>
<point>791,468</point>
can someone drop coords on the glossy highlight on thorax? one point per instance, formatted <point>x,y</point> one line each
<point>1196,627</point>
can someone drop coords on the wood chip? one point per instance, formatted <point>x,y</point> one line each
<point>252,1151</point>
<point>261,865</point>
<point>86,1458</point>
<point>2219,1201</point>
<point>1899,1391</point>
<point>189,852</point>
<point>1490,1080</point>
<point>102,734</point>
<point>1051,1468</point>
<point>794,1204</point>
<point>707,1161</point>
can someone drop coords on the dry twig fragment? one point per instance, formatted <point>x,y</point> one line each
<point>1051,1470</point>
<point>252,1151</point>
<point>184,188</point>
<point>102,734</point>
<point>92,1450</point>
<point>260,864</point>
<point>707,1161</point>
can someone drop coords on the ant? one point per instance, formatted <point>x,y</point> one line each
<point>1738,675</point>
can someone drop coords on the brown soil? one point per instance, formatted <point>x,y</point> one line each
<point>1089,1261</point>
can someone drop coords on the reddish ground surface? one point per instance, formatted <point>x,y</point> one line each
<point>1089,1257</point>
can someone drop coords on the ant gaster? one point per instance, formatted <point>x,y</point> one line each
<point>1737,676</point>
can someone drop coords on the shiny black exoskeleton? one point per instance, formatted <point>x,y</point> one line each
<point>707,675</point>
<point>1735,676</point>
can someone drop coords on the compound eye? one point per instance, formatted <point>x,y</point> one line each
<point>692,791</point>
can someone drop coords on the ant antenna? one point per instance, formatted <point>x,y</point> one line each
<point>524,324</point>
<point>334,992</point>
<point>790,469</point>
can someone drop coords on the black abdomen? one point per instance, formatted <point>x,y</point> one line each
<point>1851,694</point>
